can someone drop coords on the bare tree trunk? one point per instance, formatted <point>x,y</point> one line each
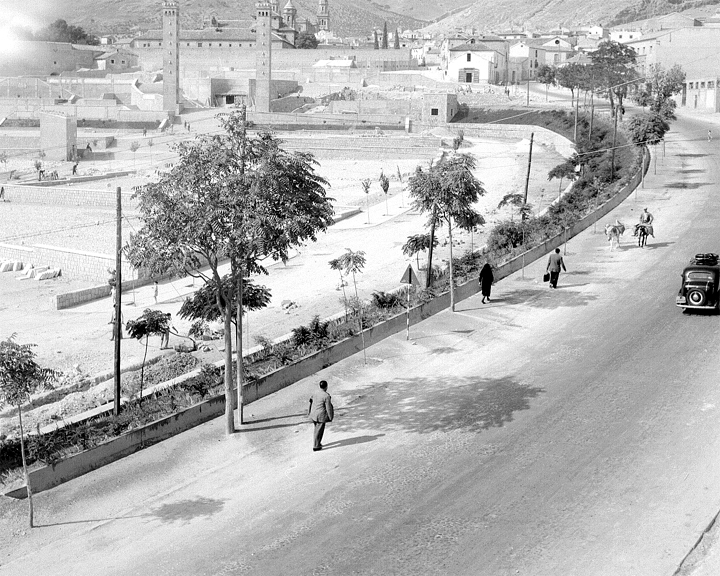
<point>362,333</point>
<point>452,283</point>
<point>142,368</point>
<point>428,280</point>
<point>239,372</point>
<point>25,468</point>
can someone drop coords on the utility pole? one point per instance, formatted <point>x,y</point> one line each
<point>527,178</point>
<point>527,103</point>
<point>117,328</point>
<point>577,106</point>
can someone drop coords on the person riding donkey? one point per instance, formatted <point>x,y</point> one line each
<point>646,220</point>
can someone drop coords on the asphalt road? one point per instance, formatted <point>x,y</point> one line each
<point>565,432</point>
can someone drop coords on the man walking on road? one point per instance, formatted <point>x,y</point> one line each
<point>320,412</point>
<point>555,263</point>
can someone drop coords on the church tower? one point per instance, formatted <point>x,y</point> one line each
<point>323,16</point>
<point>171,60</point>
<point>289,14</point>
<point>275,6</point>
<point>263,60</point>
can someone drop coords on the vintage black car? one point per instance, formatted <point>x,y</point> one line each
<point>700,284</point>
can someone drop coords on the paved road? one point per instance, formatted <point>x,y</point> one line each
<point>551,432</point>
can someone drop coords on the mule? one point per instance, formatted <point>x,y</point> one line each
<point>642,235</point>
<point>613,233</point>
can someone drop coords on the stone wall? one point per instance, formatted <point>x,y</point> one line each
<point>63,195</point>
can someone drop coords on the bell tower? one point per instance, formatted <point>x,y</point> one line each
<point>171,60</point>
<point>263,56</point>
<point>289,14</point>
<point>323,16</point>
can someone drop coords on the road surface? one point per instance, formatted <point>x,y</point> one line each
<point>572,431</point>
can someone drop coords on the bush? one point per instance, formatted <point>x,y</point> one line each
<point>385,300</point>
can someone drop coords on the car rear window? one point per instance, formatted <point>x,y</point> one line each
<point>703,276</point>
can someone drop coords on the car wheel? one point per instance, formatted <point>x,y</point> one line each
<point>696,297</point>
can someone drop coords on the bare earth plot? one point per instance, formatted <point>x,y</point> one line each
<point>78,339</point>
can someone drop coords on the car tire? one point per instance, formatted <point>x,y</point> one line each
<point>696,298</point>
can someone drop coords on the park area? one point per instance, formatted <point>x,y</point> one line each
<point>77,340</point>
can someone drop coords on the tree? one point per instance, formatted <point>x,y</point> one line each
<point>416,244</point>
<point>134,147</point>
<point>546,75</point>
<point>20,376</point>
<point>366,188</point>
<point>352,263</point>
<point>396,44</point>
<point>659,88</point>
<point>613,67</point>
<point>202,304</point>
<point>447,192</point>
<point>647,128</point>
<point>564,170</point>
<point>385,185</point>
<point>150,323</point>
<point>572,76</point>
<point>306,40</point>
<point>60,31</point>
<point>385,36</point>
<point>229,197</point>
<point>376,46</point>
<point>518,201</point>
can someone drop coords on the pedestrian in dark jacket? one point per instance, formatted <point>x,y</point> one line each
<point>486,281</point>
<point>554,265</point>
<point>320,412</point>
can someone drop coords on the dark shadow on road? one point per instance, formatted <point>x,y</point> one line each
<point>259,428</point>
<point>579,272</point>
<point>91,521</point>
<point>186,510</point>
<point>692,171</point>
<point>692,155</point>
<point>443,350</point>
<point>464,331</point>
<point>351,441</point>
<point>547,298</point>
<point>687,185</point>
<point>659,245</point>
<point>426,405</point>
<point>274,418</point>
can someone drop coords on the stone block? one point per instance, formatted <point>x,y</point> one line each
<point>18,266</point>
<point>6,266</point>
<point>48,274</point>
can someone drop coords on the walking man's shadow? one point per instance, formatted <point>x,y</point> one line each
<point>351,441</point>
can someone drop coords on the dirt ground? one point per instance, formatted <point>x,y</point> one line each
<point>77,341</point>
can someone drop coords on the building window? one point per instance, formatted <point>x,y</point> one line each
<point>711,85</point>
<point>230,45</point>
<point>199,44</point>
<point>434,111</point>
<point>113,62</point>
<point>220,44</point>
<point>469,57</point>
<point>702,84</point>
<point>122,61</point>
<point>210,44</point>
<point>188,43</point>
<point>692,85</point>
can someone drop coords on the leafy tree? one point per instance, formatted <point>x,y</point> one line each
<point>61,31</point>
<point>447,192</point>
<point>306,40</point>
<point>229,196</point>
<point>660,86</point>
<point>546,75</point>
<point>20,376</point>
<point>518,201</point>
<point>418,243</point>
<point>385,185</point>
<point>351,263</point>
<point>396,45</point>
<point>385,36</point>
<point>564,170</point>
<point>376,46</point>
<point>151,323</point>
<point>134,147</point>
<point>647,128</point>
<point>613,67</point>
<point>366,188</point>
<point>573,77</point>
<point>202,304</point>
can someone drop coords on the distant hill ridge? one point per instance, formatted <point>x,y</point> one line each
<point>360,17</point>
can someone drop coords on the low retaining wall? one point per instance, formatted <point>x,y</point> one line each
<point>53,195</point>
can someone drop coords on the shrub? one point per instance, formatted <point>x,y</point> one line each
<point>385,300</point>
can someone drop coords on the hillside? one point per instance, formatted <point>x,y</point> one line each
<point>347,17</point>
<point>486,15</point>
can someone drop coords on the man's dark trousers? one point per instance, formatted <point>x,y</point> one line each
<point>554,278</point>
<point>318,434</point>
